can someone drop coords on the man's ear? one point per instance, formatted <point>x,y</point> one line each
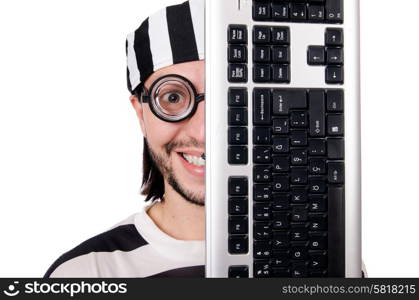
<point>138,107</point>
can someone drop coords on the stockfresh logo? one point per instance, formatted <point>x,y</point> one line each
<point>12,289</point>
<point>65,288</point>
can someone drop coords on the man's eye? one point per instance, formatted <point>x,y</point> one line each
<point>172,97</point>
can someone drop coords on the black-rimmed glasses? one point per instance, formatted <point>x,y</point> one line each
<point>172,98</point>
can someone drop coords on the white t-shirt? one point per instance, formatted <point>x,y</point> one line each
<point>135,247</point>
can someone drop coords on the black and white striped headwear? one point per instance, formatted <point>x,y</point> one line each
<point>172,35</point>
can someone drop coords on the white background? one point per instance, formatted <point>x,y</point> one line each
<point>70,144</point>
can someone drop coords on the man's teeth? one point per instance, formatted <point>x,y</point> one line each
<point>195,160</point>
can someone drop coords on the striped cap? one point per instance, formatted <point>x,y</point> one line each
<point>172,35</point>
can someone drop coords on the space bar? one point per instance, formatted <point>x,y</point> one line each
<point>336,242</point>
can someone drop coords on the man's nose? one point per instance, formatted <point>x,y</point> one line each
<point>195,126</point>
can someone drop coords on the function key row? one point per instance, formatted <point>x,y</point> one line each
<point>237,97</point>
<point>238,223</point>
<point>309,11</point>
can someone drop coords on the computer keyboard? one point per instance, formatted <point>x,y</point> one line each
<point>282,138</point>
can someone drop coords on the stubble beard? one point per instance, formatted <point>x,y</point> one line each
<point>163,164</point>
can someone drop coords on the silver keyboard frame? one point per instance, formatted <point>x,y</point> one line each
<point>219,14</point>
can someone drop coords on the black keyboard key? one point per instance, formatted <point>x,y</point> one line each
<point>280,221</point>
<point>237,116</point>
<point>318,273</point>
<point>262,231</point>
<point>298,11</point>
<point>336,172</point>
<point>281,144</point>
<point>318,222</point>
<point>261,11</point>
<point>299,175</point>
<point>317,147</point>
<point>299,195</point>
<point>334,75</point>
<point>317,184</point>
<point>280,258</point>
<point>281,73</point>
<point>238,244</point>
<point>281,54</point>
<point>280,126</point>
<point>281,202</point>
<point>262,54</point>
<point>262,211</point>
<point>335,148</point>
<point>316,13</point>
<point>299,119</point>
<point>238,225</point>
<point>238,272</point>
<point>316,55</point>
<point>237,136</point>
<point>262,249</point>
<point>284,100</point>
<point>238,186</point>
<point>237,97</point>
<point>237,54</point>
<point>334,11</point>
<point>261,269</point>
<point>237,34</point>
<point>280,12</point>
<point>262,107</point>
<point>318,203</point>
<point>280,35</point>
<point>298,138</point>
<point>261,34</point>
<point>238,206</point>
<point>281,272</point>
<point>297,98</point>
<point>298,157</point>
<point>237,73</point>
<point>281,240</point>
<point>299,214</point>
<point>335,100</point>
<point>262,135</point>
<point>299,270</point>
<point>280,183</point>
<point>262,173</point>
<point>318,259</point>
<point>334,37</point>
<point>302,233</point>
<point>336,232</point>
<point>280,102</point>
<point>318,241</point>
<point>262,73</point>
<point>335,125</point>
<point>262,192</point>
<point>281,164</point>
<point>317,113</point>
<point>334,56</point>
<point>299,252</point>
<point>317,166</point>
<point>237,155</point>
<point>262,154</point>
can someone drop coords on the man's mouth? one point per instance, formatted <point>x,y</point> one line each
<point>195,160</point>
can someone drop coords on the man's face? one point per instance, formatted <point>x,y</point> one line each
<point>177,147</point>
